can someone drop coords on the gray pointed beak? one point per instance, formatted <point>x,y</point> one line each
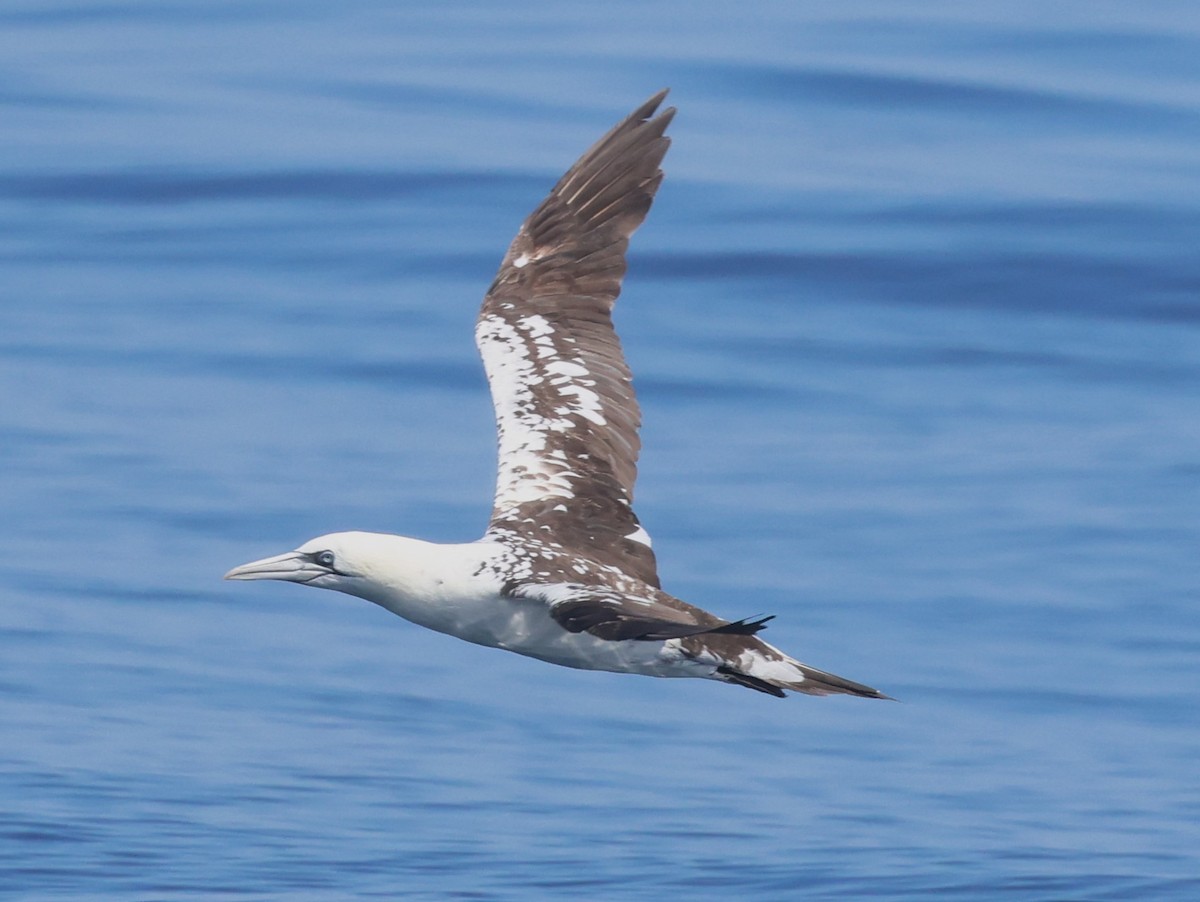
<point>294,567</point>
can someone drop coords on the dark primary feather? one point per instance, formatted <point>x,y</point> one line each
<point>572,255</point>
<point>610,614</point>
<point>608,621</point>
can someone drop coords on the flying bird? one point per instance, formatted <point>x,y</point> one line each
<point>565,571</point>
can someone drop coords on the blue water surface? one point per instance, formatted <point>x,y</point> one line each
<point>916,330</point>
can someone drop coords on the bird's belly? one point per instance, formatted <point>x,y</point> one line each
<point>526,628</point>
<point>530,630</point>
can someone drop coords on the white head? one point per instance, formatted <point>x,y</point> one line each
<point>358,563</point>
<point>424,582</point>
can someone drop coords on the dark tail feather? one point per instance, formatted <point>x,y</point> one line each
<point>744,679</point>
<point>815,682</point>
<point>818,682</point>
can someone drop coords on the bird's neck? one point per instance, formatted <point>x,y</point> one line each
<point>428,583</point>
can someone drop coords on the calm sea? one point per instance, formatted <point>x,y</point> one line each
<point>916,329</point>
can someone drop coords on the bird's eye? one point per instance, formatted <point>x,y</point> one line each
<point>325,559</point>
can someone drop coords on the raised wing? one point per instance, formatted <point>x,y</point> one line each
<point>565,408</point>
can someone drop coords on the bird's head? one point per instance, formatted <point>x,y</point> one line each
<point>341,561</point>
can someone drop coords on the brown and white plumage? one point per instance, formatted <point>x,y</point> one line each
<point>565,571</point>
<point>566,412</point>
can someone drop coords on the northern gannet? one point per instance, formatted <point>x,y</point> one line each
<point>565,571</point>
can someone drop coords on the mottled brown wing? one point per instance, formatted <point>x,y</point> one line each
<point>565,407</point>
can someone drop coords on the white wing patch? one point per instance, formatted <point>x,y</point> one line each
<point>538,395</point>
<point>640,535</point>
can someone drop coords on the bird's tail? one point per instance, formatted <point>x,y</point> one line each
<point>820,682</point>
<point>764,668</point>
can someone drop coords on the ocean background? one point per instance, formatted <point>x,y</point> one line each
<point>915,324</point>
